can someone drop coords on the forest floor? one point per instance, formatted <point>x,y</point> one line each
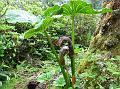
<point>27,72</point>
<point>31,72</point>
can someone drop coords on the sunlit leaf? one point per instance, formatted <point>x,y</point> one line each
<point>78,6</point>
<point>67,10</point>
<point>52,10</point>
<point>73,8</point>
<point>41,26</point>
<point>14,16</point>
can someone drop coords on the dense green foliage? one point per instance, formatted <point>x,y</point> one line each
<point>44,22</point>
<point>100,72</point>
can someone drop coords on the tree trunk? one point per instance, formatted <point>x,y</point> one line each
<point>107,35</point>
<point>104,46</point>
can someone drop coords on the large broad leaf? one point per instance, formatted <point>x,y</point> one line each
<point>41,26</point>
<point>73,8</point>
<point>52,10</point>
<point>14,16</point>
<point>78,6</point>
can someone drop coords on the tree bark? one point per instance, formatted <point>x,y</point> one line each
<point>107,34</point>
<point>104,46</point>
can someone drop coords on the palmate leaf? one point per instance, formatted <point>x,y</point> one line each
<point>41,26</point>
<point>73,8</point>
<point>70,9</point>
<point>78,6</point>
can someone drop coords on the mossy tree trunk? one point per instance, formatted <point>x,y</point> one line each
<point>104,45</point>
<point>107,34</point>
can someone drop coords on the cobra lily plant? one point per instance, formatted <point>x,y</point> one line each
<point>73,8</point>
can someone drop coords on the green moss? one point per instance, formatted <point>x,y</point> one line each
<point>110,43</point>
<point>97,42</point>
<point>106,43</point>
<point>116,51</point>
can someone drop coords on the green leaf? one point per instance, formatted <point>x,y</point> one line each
<point>52,11</point>
<point>105,10</point>
<point>59,82</point>
<point>45,77</point>
<point>4,27</point>
<point>14,16</point>
<point>113,69</point>
<point>41,26</point>
<point>75,7</point>
<point>67,9</point>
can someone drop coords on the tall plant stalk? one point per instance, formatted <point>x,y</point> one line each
<point>73,31</point>
<point>72,58</point>
<point>73,71</point>
<point>55,53</point>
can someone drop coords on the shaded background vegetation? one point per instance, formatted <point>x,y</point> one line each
<point>18,48</point>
